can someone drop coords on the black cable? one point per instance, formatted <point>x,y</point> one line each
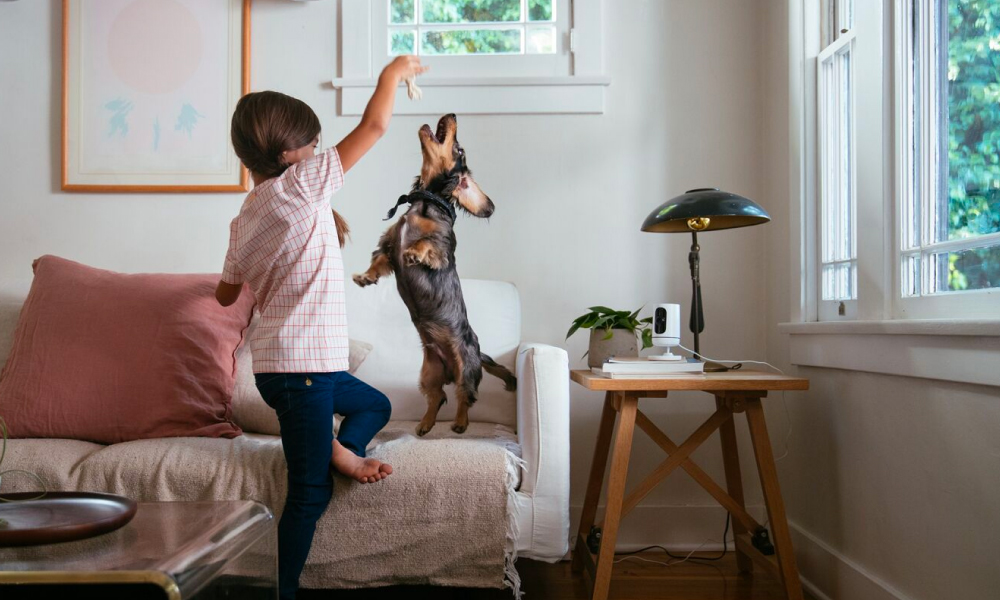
<point>725,549</point>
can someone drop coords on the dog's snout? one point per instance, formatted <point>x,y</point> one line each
<point>488,209</point>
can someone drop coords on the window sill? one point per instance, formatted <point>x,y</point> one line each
<point>485,95</point>
<point>961,351</point>
<point>946,327</point>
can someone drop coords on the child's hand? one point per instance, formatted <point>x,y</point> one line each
<point>375,121</point>
<point>403,68</point>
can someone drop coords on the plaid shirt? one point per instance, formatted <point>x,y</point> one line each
<point>284,245</point>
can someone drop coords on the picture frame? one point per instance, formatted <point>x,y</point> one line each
<point>149,88</point>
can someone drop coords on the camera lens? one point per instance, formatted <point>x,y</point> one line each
<point>660,321</point>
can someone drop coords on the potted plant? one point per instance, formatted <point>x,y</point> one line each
<point>613,333</point>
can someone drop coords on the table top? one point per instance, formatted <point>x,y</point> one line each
<point>173,538</point>
<point>733,381</point>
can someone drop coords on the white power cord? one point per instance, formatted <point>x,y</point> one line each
<point>754,362</point>
<point>784,403</point>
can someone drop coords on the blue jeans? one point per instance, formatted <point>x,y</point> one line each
<point>305,403</point>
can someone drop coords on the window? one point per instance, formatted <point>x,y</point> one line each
<point>837,161</point>
<point>948,100</point>
<point>436,27</point>
<point>465,38</point>
<point>900,176</point>
<point>486,56</point>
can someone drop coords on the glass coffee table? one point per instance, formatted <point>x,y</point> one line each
<point>169,551</point>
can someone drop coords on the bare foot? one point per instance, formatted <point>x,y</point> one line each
<point>364,470</point>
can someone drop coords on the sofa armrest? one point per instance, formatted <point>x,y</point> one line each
<point>543,433</point>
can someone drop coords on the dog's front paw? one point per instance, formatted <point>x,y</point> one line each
<point>457,428</point>
<point>423,429</point>
<point>411,258</point>
<point>362,279</point>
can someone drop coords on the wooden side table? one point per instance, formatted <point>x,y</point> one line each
<point>735,392</point>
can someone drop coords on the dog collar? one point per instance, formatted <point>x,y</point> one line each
<point>418,195</point>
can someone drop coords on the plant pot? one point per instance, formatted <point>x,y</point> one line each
<point>622,343</point>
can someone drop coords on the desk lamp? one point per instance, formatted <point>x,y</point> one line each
<point>703,209</point>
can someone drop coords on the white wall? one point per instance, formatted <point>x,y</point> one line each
<point>684,110</point>
<point>891,483</point>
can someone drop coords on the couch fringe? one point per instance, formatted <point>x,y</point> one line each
<point>511,578</point>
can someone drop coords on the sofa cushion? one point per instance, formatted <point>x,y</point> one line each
<point>250,412</point>
<point>376,313</point>
<point>108,357</point>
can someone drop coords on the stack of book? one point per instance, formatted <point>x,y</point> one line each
<point>643,368</point>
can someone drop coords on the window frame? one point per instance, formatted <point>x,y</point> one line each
<point>579,91</point>
<point>870,177</point>
<point>970,304</point>
<point>879,175</point>
<point>826,101</point>
<point>558,64</point>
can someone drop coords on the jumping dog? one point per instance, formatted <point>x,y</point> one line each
<point>420,249</point>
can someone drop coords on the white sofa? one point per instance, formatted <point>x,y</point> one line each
<point>532,423</point>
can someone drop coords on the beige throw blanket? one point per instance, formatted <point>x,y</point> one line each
<point>443,518</point>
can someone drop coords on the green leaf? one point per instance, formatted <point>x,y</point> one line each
<point>603,322</point>
<point>610,334</point>
<point>601,309</point>
<point>647,338</point>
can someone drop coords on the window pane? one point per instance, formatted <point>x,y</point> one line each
<point>473,41</point>
<point>401,11</point>
<point>966,270</point>
<point>541,40</point>
<point>540,10</point>
<point>470,11</point>
<point>839,281</point>
<point>401,41</point>
<point>973,140</point>
<point>837,172</point>
<point>910,270</point>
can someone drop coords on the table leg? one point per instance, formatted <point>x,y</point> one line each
<point>772,498</point>
<point>597,468</point>
<point>734,481</point>
<point>616,494</point>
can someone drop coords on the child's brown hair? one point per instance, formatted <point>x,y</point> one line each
<point>266,124</point>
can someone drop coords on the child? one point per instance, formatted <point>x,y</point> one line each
<point>285,244</point>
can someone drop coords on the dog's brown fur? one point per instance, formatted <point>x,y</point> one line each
<point>420,249</point>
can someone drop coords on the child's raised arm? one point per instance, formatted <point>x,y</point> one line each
<point>375,121</point>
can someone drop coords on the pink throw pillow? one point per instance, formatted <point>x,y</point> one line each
<point>108,357</point>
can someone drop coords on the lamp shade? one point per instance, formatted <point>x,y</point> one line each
<point>704,209</point>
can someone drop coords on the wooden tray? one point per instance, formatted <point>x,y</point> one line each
<point>61,517</point>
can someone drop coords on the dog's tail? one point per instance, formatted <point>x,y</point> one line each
<point>499,371</point>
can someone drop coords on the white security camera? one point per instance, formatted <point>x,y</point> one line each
<point>666,330</point>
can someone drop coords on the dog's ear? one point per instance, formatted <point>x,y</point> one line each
<point>471,197</point>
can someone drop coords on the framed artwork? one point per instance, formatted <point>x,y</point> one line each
<point>149,88</point>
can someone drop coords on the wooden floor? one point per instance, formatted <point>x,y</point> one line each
<point>633,580</point>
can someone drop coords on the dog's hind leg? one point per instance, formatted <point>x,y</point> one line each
<point>433,377</point>
<point>466,391</point>
<point>465,398</point>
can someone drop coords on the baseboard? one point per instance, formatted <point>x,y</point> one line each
<point>679,528</point>
<point>829,575</point>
